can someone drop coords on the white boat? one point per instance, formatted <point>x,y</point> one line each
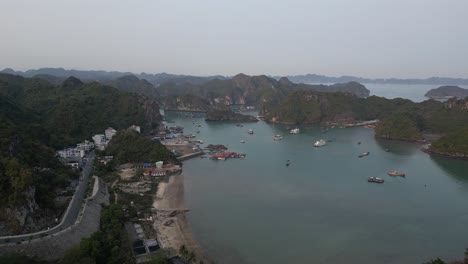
<point>277,137</point>
<point>242,141</point>
<point>320,143</point>
<point>295,131</point>
<point>250,131</point>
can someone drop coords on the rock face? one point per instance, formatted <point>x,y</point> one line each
<point>151,111</point>
<point>253,90</point>
<point>445,92</point>
<point>190,103</point>
<point>227,115</point>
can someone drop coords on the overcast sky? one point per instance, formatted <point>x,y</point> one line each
<point>367,38</point>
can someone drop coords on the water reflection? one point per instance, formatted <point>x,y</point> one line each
<point>458,169</point>
<point>397,147</point>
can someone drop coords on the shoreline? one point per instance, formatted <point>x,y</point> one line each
<point>170,222</point>
<point>443,154</point>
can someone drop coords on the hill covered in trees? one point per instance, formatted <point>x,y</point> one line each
<point>250,90</point>
<point>129,146</point>
<point>74,111</point>
<point>36,117</point>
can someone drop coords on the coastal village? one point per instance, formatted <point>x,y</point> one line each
<point>141,189</point>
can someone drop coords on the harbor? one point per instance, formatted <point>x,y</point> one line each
<point>325,192</point>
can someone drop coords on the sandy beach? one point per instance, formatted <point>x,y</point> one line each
<point>174,231</point>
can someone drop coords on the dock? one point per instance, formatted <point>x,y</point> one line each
<point>191,155</point>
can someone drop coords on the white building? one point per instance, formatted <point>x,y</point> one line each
<point>135,128</point>
<point>110,132</point>
<point>86,145</point>
<point>100,141</point>
<point>71,152</point>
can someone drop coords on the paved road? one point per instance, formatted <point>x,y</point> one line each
<point>72,212</point>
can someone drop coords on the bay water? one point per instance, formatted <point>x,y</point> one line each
<point>321,209</point>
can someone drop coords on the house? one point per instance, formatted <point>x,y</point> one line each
<point>109,133</point>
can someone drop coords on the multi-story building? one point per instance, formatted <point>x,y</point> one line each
<point>86,145</point>
<point>71,152</point>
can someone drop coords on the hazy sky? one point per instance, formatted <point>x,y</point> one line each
<point>368,38</point>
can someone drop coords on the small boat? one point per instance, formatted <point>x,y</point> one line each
<point>359,143</point>
<point>288,162</point>
<point>364,154</point>
<point>198,131</point>
<point>198,124</point>
<point>277,137</point>
<point>375,179</point>
<point>239,125</point>
<point>320,143</point>
<point>250,131</point>
<point>295,131</point>
<point>387,150</point>
<point>396,173</point>
<point>242,141</point>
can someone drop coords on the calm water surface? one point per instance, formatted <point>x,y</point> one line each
<point>413,92</point>
<point>321,209</point>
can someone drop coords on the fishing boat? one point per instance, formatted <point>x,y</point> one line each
<point>250,131</point>
<point>277,137</point>
<point>364,154</point>
<point>320,143</point>
<point>396,173</point>
<point>295,131</point>
<point>375,179</point>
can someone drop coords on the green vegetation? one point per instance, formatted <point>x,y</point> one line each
<point>456,143</point>
<point>400,118</point>
<point>249,90</point>
<point>37,115</point>
<point>129,146</point>
<point>132,84</point>
<point>399,126</point>
<point>74,111</point>
<point>228,115</point>
<point>26,162</point>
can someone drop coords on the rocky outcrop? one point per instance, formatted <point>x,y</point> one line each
<point>151,111</point>
<point>227,115</point>
<point>26,217</point>
<point>254,90</point>
<point>190,103</point>
<point>445,92</point>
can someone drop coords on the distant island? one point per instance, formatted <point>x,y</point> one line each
<point>446,92</point>
<point>59,74</point>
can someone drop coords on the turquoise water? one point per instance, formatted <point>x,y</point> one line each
<point>321,209</point>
